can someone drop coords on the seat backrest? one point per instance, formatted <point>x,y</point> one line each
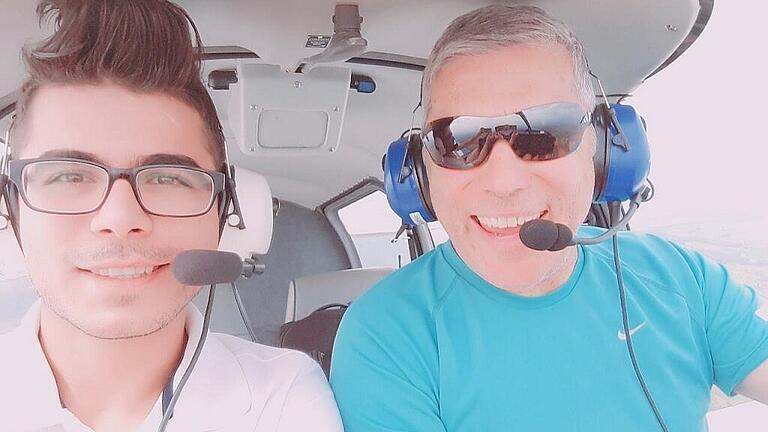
<point>304,243</point>
<point>255,198</point>
<point>307,294</point>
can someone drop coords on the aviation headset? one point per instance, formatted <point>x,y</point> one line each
<point>622,163</point>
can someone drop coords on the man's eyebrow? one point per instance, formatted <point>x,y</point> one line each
<point>169,159</point>
<point>72,154</point>
<point>153,159</point>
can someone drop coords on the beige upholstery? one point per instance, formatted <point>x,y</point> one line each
<point>256,205</point>
<point>307,294</point>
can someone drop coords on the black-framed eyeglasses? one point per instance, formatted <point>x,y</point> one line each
<point>65,186</point>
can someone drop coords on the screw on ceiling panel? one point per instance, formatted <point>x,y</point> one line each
<point>672,27</point>
<point>297,84</point>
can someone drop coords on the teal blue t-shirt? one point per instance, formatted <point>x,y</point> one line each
<point>434,347</point>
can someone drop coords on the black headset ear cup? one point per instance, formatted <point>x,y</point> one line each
<point>422,180</point>
<point>223,205</point>
<point>601,120</point>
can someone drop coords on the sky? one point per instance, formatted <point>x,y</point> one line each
<point>704,114</point>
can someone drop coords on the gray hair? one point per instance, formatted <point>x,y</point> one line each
<point>497,26</point>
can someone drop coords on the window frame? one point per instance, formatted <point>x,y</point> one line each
<point>417,238</point>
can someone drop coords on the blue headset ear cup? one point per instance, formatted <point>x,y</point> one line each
<point>620,173</point>
<point>408,198</point>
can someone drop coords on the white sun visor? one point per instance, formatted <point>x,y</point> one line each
<point>273,111</point>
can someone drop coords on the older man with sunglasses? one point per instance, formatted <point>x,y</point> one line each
<point>486,334</point>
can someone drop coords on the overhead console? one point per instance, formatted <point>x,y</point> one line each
<point>273,110</point>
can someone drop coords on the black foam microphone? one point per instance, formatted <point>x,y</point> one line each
<point>545,235</point>
<point>199,267</point>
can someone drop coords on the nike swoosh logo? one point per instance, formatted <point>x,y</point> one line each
<point>632,331</point>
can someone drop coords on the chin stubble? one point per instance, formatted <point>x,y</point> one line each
<point>136,330</point>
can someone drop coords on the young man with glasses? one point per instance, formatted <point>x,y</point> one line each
<point>116,163</point>
<point>486,334</point>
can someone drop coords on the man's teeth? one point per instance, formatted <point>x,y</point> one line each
<point>125,273</point>
<point>505,222</point>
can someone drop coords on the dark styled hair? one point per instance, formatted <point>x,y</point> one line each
<point>143,45</point>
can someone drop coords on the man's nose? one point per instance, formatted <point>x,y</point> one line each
<point>121,215</point>
<point>504,173</point>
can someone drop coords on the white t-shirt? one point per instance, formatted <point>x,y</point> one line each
<point>236,386</point>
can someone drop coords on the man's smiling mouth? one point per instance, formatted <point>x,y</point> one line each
<point>505,224</point>
<point>125,272</point>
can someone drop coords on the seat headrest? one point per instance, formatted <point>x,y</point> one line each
<point>256,205</point>
<point>308,293</point>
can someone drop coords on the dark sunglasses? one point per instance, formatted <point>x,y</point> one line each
<point>539,133</point>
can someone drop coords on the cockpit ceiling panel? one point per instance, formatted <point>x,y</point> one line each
<point>626,41</point>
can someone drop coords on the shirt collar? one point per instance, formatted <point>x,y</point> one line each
<point>34,404</point>
<point>498,294</point>
<point>216,394</point>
